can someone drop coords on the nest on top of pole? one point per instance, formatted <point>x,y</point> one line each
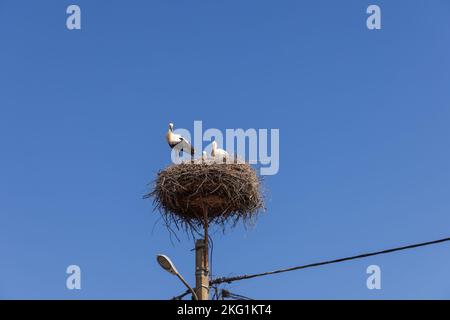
<point>197,193</point>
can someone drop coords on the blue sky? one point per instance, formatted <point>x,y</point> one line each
<point>364,142</point>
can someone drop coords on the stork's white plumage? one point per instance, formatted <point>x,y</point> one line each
<point>177,141</point>
<point>217,152</point>
<point>204,155</point>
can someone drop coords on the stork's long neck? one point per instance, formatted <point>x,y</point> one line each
<point>169,134</point>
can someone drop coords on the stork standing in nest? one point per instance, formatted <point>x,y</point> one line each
<point>178,143</point>
<point>218,153</point>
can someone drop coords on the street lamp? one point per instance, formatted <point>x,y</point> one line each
<point>168,265</point>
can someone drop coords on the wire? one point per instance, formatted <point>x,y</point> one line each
<point>211,249</point>
<point>365,255</point>
<point>216,293</point>
<point>234,296</point>
<point>181,296</point>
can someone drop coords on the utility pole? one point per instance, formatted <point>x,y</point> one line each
<point>201,269</point>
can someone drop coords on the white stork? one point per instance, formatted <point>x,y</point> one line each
<point>217,152</point>
<point>177,141</point>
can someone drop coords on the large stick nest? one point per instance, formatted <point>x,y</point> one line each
<point>203,192</point>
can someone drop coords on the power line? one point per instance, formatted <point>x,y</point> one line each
<point>181,296</point>
<point>365,255</point>
<point>233,296</point>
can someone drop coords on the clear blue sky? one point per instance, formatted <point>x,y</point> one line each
<point>364,128</point>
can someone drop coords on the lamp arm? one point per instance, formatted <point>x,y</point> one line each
<point>187,286</point>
